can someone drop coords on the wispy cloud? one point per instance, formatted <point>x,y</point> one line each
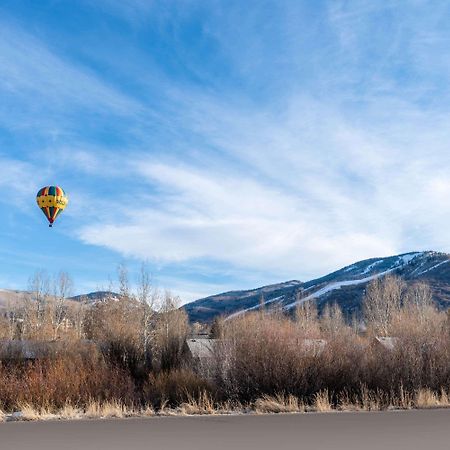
<point>283,149</point>
<point>19,178</point>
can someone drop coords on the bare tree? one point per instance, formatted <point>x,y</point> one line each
<point>124,283</point>
<point>62,288</point>
<point>216,331</point>
<point>79,316</point>
<point>306,316</point>
<point>147,297</point>
<point>332,321</point>
<point>419,296</point>
<point>382,300</point>
<point>35,311</point>
<point>171,331</point>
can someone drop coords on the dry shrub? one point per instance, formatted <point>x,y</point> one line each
<point>203,404</point>
<point>444,398</point>
<point>322,402</point>
<point>371,401</point>
<point>264,355</point>
<point>347,402</point>
<point>426,398</point>
<point>364,400</point>
<point>165,410</point>
<point>174,388</point>
<point>76,380</point>
<point>147,411</point>
<point>68,411</point>
<point>108,409</point>
<point>29,412</point>
<point>278,404</point>
<point>170,335</point>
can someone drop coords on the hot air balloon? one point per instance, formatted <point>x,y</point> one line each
<point>52,200</point>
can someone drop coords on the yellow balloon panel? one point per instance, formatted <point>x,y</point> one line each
<point>47,201</point>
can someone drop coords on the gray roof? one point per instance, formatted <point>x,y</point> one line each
<point>19,349</point>
<point>201,348</point>
<point>28,349</point>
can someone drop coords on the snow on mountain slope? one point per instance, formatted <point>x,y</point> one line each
<point>336,285</point>
<point>434,267</point>
<point>253,308</point>
<point>345,286</point>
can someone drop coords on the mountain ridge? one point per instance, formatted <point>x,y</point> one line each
<point>344,286</point>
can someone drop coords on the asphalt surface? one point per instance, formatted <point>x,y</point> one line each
<point>426,429</point>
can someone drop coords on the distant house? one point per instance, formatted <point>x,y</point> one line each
<point>21,350</point>
<point>27,350</point>
<point>200,348</point>
<point>385,342</point>
<point>13,349</point>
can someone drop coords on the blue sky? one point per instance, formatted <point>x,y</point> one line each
<point>229,144</point>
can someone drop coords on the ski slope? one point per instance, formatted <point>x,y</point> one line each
<point>336,285</point>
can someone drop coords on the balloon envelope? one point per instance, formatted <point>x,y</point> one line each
<point>52,200</point>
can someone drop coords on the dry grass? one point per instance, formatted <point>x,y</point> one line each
<point>147,411</point>
<point>444,399</point>
<point>348,403</point>
<point>322,402</point>
<point>203,404</point>
<point>426,398</point>
<point>404,400</point>
<point>110,409</point>
<point>165,410</point>
<point>371,401</point>
<point>94,410</point>
<point>278,404</point>
<point>30,413</point>
<point>68,411</point>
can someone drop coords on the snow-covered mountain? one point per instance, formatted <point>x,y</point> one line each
<point>344,287</point>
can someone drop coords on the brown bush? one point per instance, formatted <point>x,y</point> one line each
<point>264,355</point>
<point>174,388</point>
<point>53,383</point>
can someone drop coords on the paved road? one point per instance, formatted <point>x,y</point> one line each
<point>429,430</point>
